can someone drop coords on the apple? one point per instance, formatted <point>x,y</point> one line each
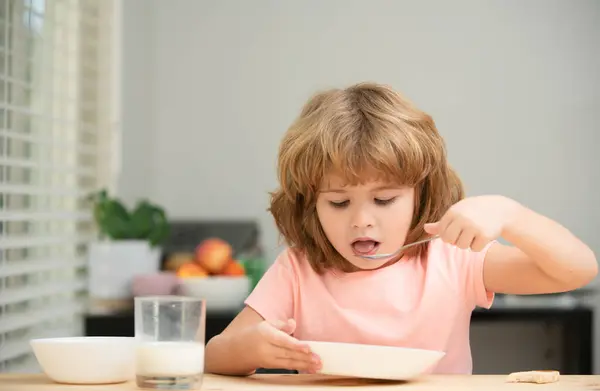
<point>213,255</point>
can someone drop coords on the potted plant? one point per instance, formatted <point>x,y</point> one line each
<point>129,245</point>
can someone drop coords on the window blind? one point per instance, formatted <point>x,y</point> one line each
<point>56,137</point>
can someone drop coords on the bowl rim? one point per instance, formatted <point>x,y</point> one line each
<point>377,347</point>
<point>81,339</point>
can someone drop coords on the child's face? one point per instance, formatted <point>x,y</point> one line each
<point>365,219</point>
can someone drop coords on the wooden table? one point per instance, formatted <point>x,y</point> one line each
<point>13,382</point>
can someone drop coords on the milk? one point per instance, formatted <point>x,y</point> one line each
<point>169,358</point>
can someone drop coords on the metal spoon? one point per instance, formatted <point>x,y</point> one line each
<point>382,256</point>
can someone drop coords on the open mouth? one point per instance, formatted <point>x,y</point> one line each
<point>365,246</point>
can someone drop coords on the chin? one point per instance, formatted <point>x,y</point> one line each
<point>365,264</point>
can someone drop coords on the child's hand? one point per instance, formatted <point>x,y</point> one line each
<point>276,348</point>
<point>474,222</point>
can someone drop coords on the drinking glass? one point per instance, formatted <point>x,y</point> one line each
<point>169,333</point>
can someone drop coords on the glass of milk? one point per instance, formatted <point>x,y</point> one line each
<point>169,333</point>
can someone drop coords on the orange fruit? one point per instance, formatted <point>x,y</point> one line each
<point>191,270</point>
<point>234,268</point>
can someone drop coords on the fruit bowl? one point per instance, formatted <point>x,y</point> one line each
<point>222,293</point>
<point>211,273</point>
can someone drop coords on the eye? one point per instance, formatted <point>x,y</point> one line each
<point>388,201</point>
<point>340,204</point>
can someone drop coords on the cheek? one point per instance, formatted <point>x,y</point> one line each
<point>324,215</point>
<point>329,220</point>
<point>402,213</point>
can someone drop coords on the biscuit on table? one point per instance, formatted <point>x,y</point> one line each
<point>538,377</point>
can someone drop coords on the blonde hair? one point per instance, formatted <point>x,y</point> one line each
<point>353,131</point>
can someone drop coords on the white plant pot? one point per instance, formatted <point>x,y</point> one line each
<point>113,264</point>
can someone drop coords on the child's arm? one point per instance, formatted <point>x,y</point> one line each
<point>260,336</point>
<point>249,342</point>
<point>227,353</point>
<point>546,257</point>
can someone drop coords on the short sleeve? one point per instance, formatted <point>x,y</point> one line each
<point>471,266</point>
<point>273,296</point>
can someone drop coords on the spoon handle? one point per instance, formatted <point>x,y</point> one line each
<point>382,256</point>
<point>429,239</point>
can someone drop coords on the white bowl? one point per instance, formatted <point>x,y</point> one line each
<point>222,293</point>
<point>86,360</point>
<point>375,362</point>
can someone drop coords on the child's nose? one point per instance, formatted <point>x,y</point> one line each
<point>362,219</point>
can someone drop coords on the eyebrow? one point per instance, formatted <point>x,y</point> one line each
<point>378,188</point>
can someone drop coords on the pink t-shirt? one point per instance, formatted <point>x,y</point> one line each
<point>416,303</point>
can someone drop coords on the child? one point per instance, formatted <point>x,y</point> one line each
<point>362,171</point>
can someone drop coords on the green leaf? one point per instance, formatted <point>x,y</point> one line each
<point>146,222</point>
<point>113,219</point>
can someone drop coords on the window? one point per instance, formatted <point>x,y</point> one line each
<point>56,137</point>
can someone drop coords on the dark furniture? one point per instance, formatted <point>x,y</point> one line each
<point>577,331</point>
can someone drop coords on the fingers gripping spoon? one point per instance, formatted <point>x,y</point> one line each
<point>390,255</point>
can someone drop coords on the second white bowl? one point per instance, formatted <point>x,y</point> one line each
<point>86,360</point>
